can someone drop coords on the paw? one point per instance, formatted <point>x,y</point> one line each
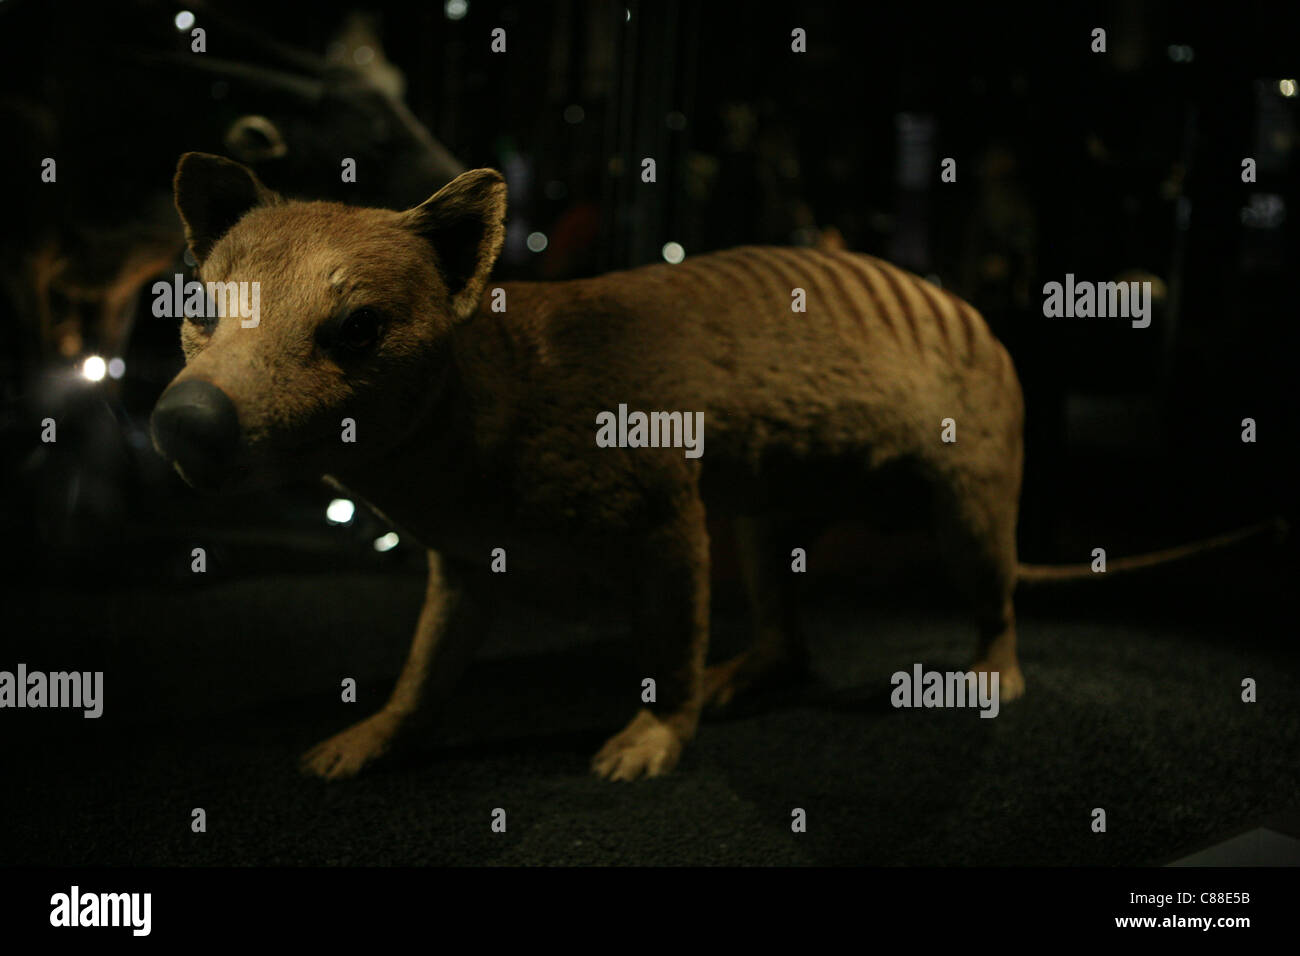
<point>1011,682</point>
<point>346,753</point>
<point>646,746</point>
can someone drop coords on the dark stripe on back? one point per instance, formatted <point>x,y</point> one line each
<point>886,270</point>
<point>940,320</point>
<point>847,288</point>
<point>854,265</point>
<point>753,284</point>
<point>701,272</point>
<point>968,321</point>
<point>781,260</point>
<point>829,268</point>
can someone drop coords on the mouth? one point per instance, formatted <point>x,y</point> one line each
<point>229,478</point>
<point>202,479</point>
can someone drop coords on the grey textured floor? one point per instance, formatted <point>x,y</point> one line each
<point>212,692</point>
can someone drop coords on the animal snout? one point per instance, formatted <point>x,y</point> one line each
<point>195,426</point>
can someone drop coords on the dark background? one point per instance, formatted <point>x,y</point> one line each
<point>1067,161</point>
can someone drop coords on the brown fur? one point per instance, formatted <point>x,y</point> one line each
<point>476,429</point>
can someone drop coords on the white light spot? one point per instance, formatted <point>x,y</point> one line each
<point>387,542</point>
<point>340,511</point>
<point>93,368</point>
<point>184,20</point>
<point>627,18</point>
<point>455,9</point>
<point>363,55</point>
<point>536,241</point>
<point>673,252</point>
<point>116,368</point>
<point>1286,87</point>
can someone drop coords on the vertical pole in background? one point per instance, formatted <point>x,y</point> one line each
<point>915,171</point>
<point>657,45</point>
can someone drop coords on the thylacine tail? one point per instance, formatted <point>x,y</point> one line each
<point>1038,573</point>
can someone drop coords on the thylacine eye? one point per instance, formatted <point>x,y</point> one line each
<point>359,331</point>
<point>204,323</point>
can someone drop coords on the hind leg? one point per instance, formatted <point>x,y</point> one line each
<point>976,523</point>
<point>778,652</point>
<point>997,650</point>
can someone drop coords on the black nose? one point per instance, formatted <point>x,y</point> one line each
<point>196,427</point>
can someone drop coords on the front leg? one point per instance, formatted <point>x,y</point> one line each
<point>675,631</point>
<point>451,626</point>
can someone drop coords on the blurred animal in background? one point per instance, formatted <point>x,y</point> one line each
<point>78,250</point>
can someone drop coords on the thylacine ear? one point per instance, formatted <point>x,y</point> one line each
<point>212,194</point>
<point>464,221</point>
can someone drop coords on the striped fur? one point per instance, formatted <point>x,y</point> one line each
<point>878,359</point>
